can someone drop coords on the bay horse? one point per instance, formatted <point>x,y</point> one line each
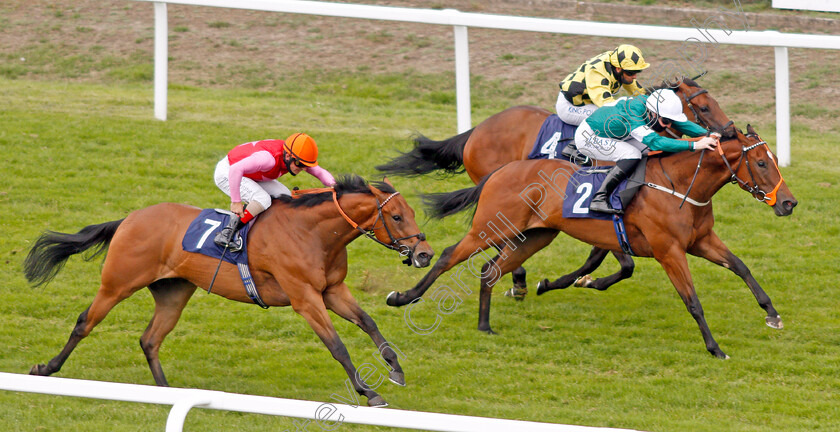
<point>510,135</point>
<point>296,253</point>
<point>520,211</point>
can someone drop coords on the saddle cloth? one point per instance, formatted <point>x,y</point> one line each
<point>585,182</point>
<point>202,230</point>
<point>553,137</point>
<point>199,239</point>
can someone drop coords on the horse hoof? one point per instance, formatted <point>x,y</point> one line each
<point>583,281</point>
<point>518,294</point>
<point>397,378</point>
<point>719,354</point>
<point>377,402</point>
<point>541,286</point>
<point>488,330</point>
<point>38,369</point>
<point>391,300</point>
<point>775,322</point>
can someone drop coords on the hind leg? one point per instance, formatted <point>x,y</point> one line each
<point>520,287</point>
<point>171,296</point>
<point>338,299</point>
<point>580,277</point>
<point>104,301</point>
<point>508,260</point>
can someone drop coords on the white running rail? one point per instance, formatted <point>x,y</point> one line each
<point>326,415</point>
<point>461,20</point>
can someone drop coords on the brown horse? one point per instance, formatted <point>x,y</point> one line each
<point>510,135</point>
<point>520,212</point>
<point>308,276</point>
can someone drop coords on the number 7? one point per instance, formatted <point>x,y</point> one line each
<point>213,225</point>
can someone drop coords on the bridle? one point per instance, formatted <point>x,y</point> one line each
<point>395,244</point>
<point>755,190</point>
<point>703,122</point>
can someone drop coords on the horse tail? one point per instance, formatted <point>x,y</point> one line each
<point>429,155</point>
<point>52,249</point>
<point>440,205</point>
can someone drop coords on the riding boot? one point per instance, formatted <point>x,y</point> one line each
<point>600,201</point>
<point>225,237</point>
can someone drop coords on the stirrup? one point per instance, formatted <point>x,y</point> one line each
<point>231,242</point>
<point>601,206</point>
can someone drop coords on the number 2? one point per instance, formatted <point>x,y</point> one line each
<point>584,189</point>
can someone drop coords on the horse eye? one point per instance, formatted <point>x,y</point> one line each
<point>396,218</point>
<point>762,164</point>
<point>704,108</point>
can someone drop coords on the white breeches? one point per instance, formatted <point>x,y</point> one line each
<point>606,149</point>
<point>573,115</point>
<point>250,190</point>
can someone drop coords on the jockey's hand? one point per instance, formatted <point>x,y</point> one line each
<point>238,208</point>
<point>705,143</point>
<point>715,135</point>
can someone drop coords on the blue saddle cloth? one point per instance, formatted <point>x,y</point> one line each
<point>202,230</point>
<point>553,137</point>
<point>579,190</point>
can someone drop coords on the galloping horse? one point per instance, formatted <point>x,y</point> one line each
<point>509,136</point>
<point>296,252</point>
<point>526,214</point>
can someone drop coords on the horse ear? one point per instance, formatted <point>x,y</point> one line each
<point>385,180</point>
<point>750,130</point>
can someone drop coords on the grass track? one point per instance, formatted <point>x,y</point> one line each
<point>632,357</point>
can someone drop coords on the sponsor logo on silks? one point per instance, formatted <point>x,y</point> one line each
<point>604,145</point>
<point>580,110</point>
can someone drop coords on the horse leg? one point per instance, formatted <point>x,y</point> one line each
<point>338,299</point>
<point>312,308</point>
<point>713,249</point>
<point>627,267</point>
<point>104,301</point>
<point>596,257</point>
<point>451,256</point>
<point>675,265</point>
<point>171,296</point>
<point>520,287</point>
<point>508,260</point>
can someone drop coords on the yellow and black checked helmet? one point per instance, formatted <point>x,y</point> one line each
<point>628,57</point>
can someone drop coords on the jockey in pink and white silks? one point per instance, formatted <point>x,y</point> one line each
<point>249,173</point>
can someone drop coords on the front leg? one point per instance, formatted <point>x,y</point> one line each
<point>712,248</point>
<point>674,263</point>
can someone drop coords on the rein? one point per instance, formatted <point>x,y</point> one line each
<point>369,233</point>
<point>704,123</point>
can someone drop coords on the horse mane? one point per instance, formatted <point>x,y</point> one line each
<point>345,184</point>
<point>672,84</point>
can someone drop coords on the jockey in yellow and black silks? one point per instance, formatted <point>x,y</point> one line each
<point>596,82</point>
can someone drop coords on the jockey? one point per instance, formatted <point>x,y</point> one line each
<point>250,171</point>
<point>596,82</point>
<point>620,133</point>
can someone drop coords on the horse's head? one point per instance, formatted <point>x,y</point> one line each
<point>757,171</point>
<point>399,229</point>
<point>702,108</point>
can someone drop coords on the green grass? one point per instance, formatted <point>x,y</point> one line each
<point>78,154</point>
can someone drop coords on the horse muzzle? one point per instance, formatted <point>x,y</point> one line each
<point>784,207</point>
<point>420,255</point>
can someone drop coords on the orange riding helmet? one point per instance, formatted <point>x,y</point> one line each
<point>302,148</point>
